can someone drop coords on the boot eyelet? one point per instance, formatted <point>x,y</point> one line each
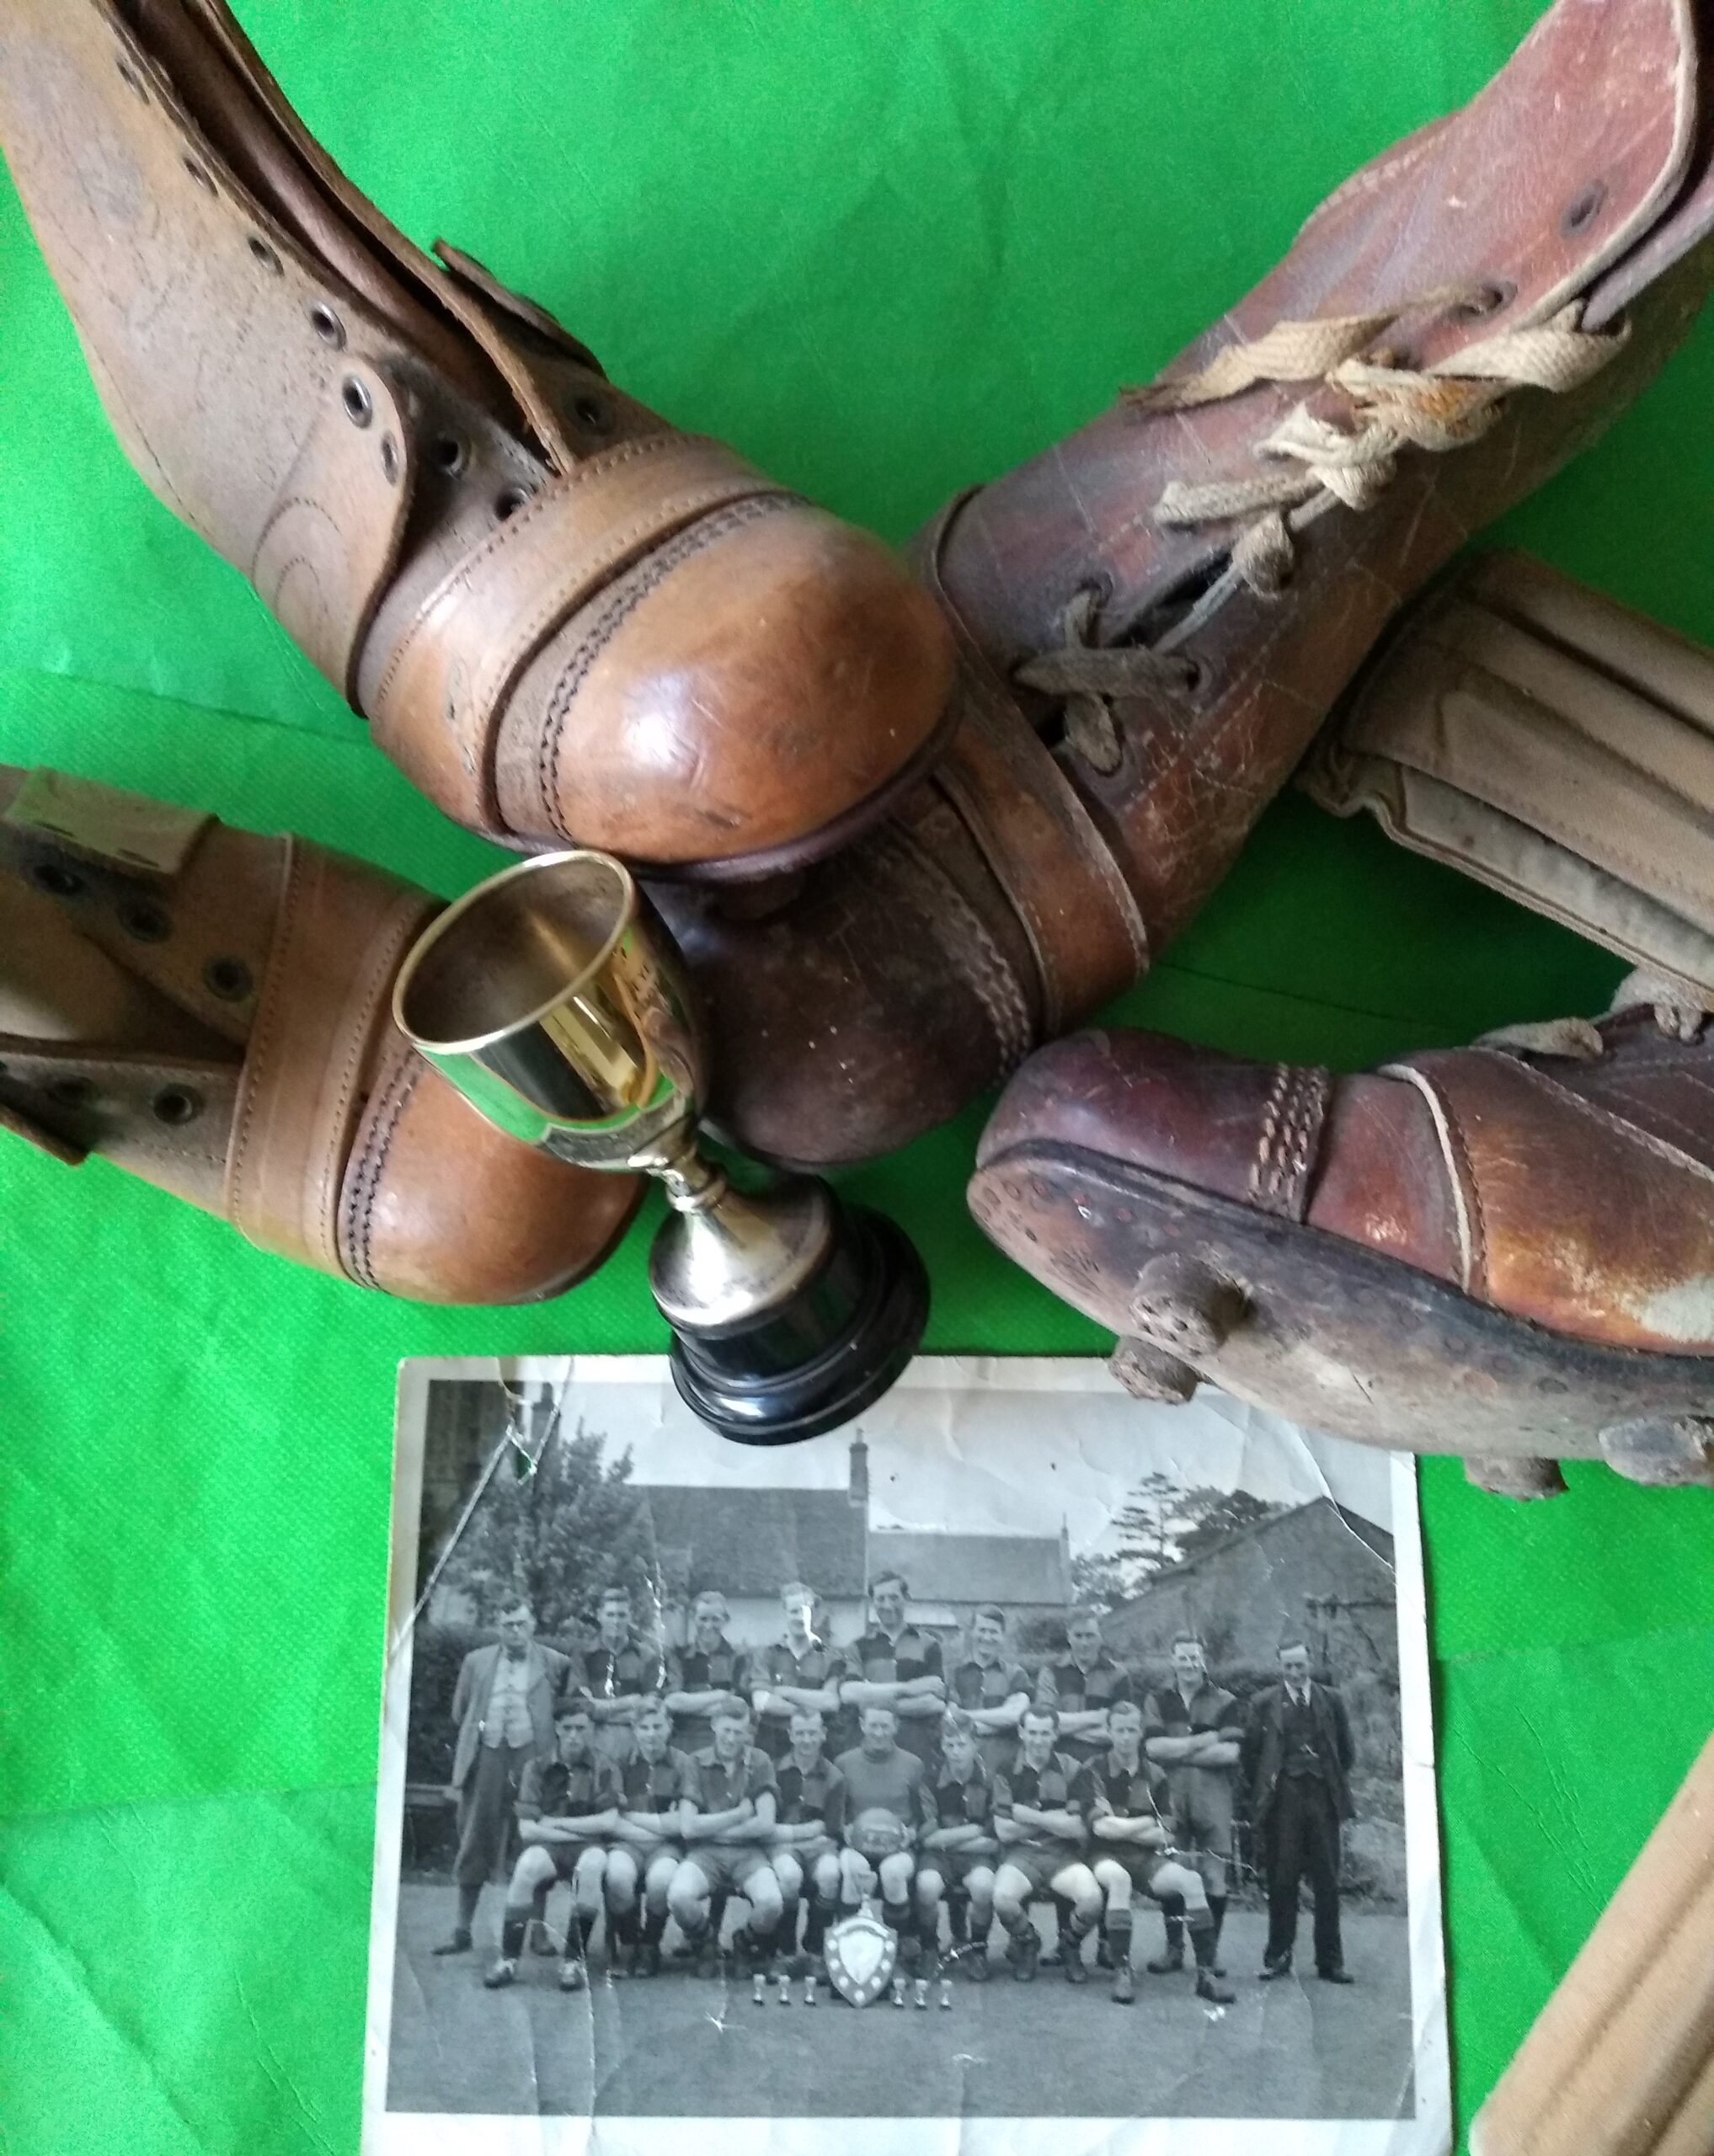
<point>199,173</point>
<point>1581,208</point>
<point>71,1093</point>
<point>144,919</point>
<point>591,414</point>
<point>132,80</point>
<point>511,500</point>
<point>389,460</point>
<point>360,406</point>
<point>58,881</point>
<point>1488,299</point>
<point>262,253</point>
<point>229,978</point>
<point>1195,677</point>
<point>327,325</point>
<point>176,1105</point>
<point>449,455</point>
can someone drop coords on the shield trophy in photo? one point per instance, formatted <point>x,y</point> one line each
<point>861,1953</point>
<point>551,998</point>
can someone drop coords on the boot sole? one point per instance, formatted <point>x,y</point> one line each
<point>1301,1322</point>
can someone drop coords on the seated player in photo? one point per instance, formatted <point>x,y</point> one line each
<point>882,1812</point>
<point>809,1837</point>
<point>991,1687</point>
<point>1132,1846</point>
<point>657,1785</point>
<point>1195,1731</point>
<point>619,1673</point>
<point>702,1673</point>
<point>1039,1824</point>
<point>568,1804</point>
<point>956,1851</point>
<point>895,1665</point>
<point>802,1668</point>
<point>728,1829</point>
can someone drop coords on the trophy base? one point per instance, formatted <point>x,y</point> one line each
<point>821,1356</point>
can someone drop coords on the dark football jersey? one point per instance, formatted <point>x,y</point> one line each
<point>976,1684</point>
<point>620,1672</point>
<point>722,1788</point>
<point>818,1794</point>
<point>553,1789</point>
<point>1051,1788</point>
<point>722,1669</point>
<point>880,1661</point>
<point>820,1664</point>
<point>658,1785</point>
<point>1205,1796</point>
<point>949,1801</point>
<point>1076,1691</point>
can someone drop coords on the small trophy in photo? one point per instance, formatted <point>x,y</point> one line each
<point>551,998</point>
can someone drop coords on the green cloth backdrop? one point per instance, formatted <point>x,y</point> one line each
<point>887,247</point>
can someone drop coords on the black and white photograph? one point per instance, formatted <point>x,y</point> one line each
<point>1018,1760</point>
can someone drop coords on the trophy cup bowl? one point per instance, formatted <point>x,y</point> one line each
<point>551,998</point>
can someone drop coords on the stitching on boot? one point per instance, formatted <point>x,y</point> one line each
<point>613,616</point>
<point>1291,1124</point>
<point>981,963</point>
<point>1461,1175</point>
<point>363,1188</point>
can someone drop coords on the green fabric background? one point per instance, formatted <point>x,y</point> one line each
<point>887,249</point>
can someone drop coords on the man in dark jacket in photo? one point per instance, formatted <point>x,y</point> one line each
<point>1297,1763</point>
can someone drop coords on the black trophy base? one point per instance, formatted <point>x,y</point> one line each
<point>823,1356</point>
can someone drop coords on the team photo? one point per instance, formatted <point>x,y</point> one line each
<point>852,1780</point>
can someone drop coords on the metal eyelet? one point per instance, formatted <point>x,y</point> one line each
<point>590,413</point>
<point>1581,207</point>
<point>449,455</point>
<point>511,500</point>
<point>132,80</point>
<point>389,460</point>
<point>144,919</point>
<point>327,325</point>
<point>360,406</point>
<point>70,1092</point>
<point>261,252</point>
<point>229,978</point>
<point>58,881</point>
<point>176,1105</point>
<point>199,173</point>
<point>1488,299</point>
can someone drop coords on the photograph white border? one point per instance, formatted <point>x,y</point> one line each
<point>416,2133</point>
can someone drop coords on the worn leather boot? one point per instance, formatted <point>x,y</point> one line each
<point>1156,614</point>
<point>565,620</point>
<point>1504,1250</point>
<point>210,1011</point>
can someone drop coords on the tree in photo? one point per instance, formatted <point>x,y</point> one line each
<point>1163,1523</point>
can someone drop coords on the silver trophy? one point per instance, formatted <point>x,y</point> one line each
<point>551,998</point>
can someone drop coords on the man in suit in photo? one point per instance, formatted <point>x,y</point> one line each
<point>503,1711</point>
<point>1297,1762</point>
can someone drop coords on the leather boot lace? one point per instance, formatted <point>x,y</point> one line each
<point>1322,466</point>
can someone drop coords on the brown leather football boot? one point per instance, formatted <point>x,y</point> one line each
<point>210,1011</point>
<point>1156,614</point>
<point>565,620</point>
<point>1504,1250</point>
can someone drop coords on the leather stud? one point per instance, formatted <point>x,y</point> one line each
<point>1149,1373</point>
<point>1664,1451</point>
<point>1182,1306</point>
<point>359,405</point>
<point>1524,1479</point>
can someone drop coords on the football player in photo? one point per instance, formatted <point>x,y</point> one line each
<point>620,1672</point>
<point>883,1802</point>
<point>803,1668</point>
<point>808,1836</point>
<point>704,1672</point>
<point>1132,1842</point>
<point>657,1785</point>
<point>567,1804</point>
<point>728,1832</point>
<point>895,1665</point>
<point>991,1688</point>
<point>1039,1824</point>
<point>958,1851</point>
<point>1083,1683</point>
<point>1195,1731</point>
